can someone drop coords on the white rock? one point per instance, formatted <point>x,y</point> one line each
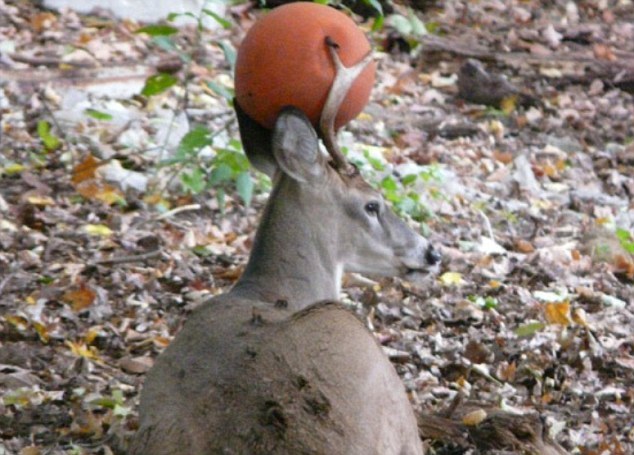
<point>144,11</point>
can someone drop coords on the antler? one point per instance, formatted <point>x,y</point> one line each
<point>344,78</point>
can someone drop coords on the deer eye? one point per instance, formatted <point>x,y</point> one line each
<point>372,208</point>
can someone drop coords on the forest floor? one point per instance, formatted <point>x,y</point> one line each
<point>524,183</point>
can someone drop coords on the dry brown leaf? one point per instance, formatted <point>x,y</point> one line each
<point>524,246</point>
<point>81,350</point>
<point>503,157</point>
<point>474,417</point>
<point>80,299</point>
<point>31,450</point>
<point>603,52</point>
<point>100,191</point>
<point>42,332</point>
<point>19,322</point>
<point>86,170</point>
<point>507,372</point>
<point>42,21</point>
<point>625,264</point>
<point>136,365</point>
<point>558,313</point>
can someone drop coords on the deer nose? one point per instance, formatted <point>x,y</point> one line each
<point>432,256</point>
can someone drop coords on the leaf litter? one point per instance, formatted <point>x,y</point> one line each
<point>528,195</point>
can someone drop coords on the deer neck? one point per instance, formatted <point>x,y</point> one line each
<point>294,256</point>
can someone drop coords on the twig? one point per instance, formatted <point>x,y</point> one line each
<point>487,225</point>
<point>134,258</point>
<point>5,281</point>
<point>50,61</point>
<point>177,210</point>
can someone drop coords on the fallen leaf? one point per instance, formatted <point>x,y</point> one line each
<point>474,417</point>
<point>86,170</point>
<point>79,299</point>
<point>42,21</point>
<point>99,230</point>
<point>81,350</point>
<point>40,201</point>
<point>136,365</point>
<point>451,278</point>
<point>529,329</point>
<point>524,246</point>
<point>558,313</point>
<point>603,52</point>
<point>100,191</point>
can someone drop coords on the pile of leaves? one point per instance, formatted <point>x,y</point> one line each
<point>503,130</point>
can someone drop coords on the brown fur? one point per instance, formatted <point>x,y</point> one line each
<point>312,383</point>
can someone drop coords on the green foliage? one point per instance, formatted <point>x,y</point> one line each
<point>115,402</point>
<point>222,91</point>
<point>97,115</point>
<point>374,4</point>
<point>224,23</point>
<point>221,169</point>
<point>486,303</point>
<point>227,170</point>
<point>407,26</point>
<point>411,28</point>
<point>626,239</point>
<point>158,83</point>
<point>50,141</point>
<point>529,329</point>
<point>404,196</point>
<point>157,30</point>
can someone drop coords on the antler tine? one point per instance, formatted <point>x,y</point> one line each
<point>344,78</point>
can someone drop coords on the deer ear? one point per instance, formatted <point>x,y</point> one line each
<point>256,141</point>
<point>296,148</point>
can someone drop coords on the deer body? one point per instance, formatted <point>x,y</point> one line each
<point>314,382</point>
<point>276,366</point>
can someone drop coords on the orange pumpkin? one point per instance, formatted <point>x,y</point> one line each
<point>284,60</point>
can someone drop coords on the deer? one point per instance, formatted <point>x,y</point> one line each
<point>276,365</point>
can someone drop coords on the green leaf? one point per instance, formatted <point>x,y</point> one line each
<point>221,90</point>
<point>194,181</point>
<point>529,329</point>
<point>221,173</point>
<point>158,84</point>
<point>628,246</point>
<point>389,184</point>
<point>230,54</point>
<point>376,163</point>
<point>194,140</point>
<point>622,234</point>
<point>50,141</point>
<point>409,180</point>
<point>202,251</point>
<point>244,186</point>
<point>98,115</point>
<point>400,23</point>
<point>378,24</point>
<point>224,23</point>
<point>220,196</point>
<point>237,161</point>
<point>121,411</point>
<point>376,5</point>
<point>418,26</point>
<point>157,30</point>
<point>165,42</point>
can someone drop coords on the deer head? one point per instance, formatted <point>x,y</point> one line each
<point>323,218</point>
